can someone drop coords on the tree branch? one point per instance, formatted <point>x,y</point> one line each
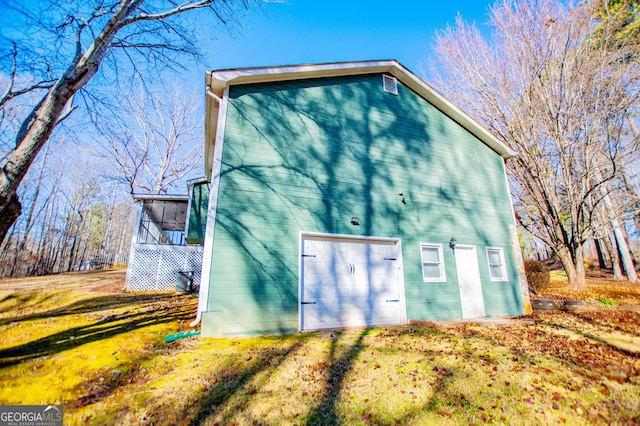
<point>167,14</point>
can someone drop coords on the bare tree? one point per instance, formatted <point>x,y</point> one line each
<point>561,101</point>
<point>75,221</point>
<point>63,46</point>
<point>155,141</point>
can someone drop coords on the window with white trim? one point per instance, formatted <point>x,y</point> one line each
<point>432,263</point>
<point>497,267</point>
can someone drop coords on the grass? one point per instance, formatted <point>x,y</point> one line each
<point>77,340</point>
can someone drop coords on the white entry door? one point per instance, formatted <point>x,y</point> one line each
<point>471,297</point>
<point>350,283</point>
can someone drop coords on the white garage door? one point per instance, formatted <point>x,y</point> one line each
<point>350,283</point>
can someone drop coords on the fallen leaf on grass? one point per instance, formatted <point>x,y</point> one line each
<point>444,412</point>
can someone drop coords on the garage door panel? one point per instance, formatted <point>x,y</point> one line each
<point>316,320</point>
<point>351,283</point>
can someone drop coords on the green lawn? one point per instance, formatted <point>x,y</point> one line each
<point>101,353</point>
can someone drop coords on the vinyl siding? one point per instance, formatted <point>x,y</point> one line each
<point>198,213</point>
<point>307,155</point>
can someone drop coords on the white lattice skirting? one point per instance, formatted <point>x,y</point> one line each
<point>158,267</point>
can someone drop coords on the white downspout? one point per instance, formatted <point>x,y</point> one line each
<point>207,253</point>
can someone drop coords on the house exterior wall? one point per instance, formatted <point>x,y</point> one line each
<point>308,155</point>
<point>197,213</point>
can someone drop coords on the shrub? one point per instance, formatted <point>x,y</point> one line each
<point>537,273</point>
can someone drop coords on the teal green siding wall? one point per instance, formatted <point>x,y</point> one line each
<point>307,155</point>
<point>198,213</point>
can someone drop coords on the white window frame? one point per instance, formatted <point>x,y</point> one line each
<point>503,266</point>
<point>443,273</point>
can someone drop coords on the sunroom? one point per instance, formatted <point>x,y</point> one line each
<point>161,259</point>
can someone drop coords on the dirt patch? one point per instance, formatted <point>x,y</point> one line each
<point>487,322</point>
<point>111,280</point>
<point>115,286</point>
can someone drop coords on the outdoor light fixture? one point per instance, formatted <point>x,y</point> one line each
<point>452,243</point>
<point>355,221</point>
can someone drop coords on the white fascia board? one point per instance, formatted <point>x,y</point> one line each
<point>218,81</point>
<point>211,112</point>
<point>196,181</point>
<point>160,197</point>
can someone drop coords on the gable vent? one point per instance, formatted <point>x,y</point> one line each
<point>389,84</point>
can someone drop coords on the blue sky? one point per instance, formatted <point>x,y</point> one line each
<point>306,31</point>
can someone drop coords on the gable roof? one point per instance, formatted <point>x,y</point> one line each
<point>218,81</point>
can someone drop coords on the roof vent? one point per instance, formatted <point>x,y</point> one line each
<point>389,84</point>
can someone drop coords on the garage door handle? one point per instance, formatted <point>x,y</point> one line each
<point>393,300</point>
<point>307,303</point>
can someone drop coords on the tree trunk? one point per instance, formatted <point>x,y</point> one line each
<point>20,246</point>
<point>601,250</point>
<point>581,279</point>
<point>573,264</point>
<point>37,128</point>
<point>10,209</point>
<point>634,198</point>
<point>621,241</point>
<point>72,252</point>
<point>612,247</point>
<point>34,133</point>
<point>625,255</point>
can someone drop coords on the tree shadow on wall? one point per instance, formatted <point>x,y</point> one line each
<point>309,155</point>
<point>298,167</point>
